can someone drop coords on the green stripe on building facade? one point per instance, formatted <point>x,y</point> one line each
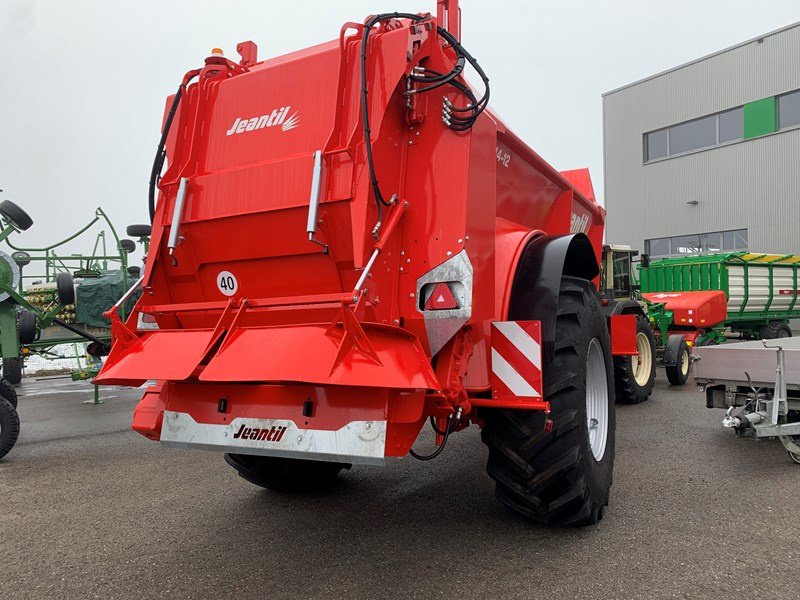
<point>760,118</point>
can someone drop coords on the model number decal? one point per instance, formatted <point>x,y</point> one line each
<point>503,157</point>
<point>227,283</point>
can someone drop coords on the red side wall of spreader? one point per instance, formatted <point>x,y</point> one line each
<point>257,322</point>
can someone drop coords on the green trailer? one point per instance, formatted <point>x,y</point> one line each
<point>761,290</point>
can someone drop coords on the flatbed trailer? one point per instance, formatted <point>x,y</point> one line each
<point>758,385</point>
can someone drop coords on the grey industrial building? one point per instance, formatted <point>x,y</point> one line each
<point>706,156</point>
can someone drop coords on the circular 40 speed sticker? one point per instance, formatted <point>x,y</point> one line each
<point>227,283</point>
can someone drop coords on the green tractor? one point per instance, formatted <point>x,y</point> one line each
<point>634,376</point>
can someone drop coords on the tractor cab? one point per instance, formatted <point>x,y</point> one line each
<point>617,280</point>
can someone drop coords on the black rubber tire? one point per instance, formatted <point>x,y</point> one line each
<point>286,474</point>
<point>628,391</point>
<point>15,215</point>
<point>65,288</point>
<point>707,342</point>
<point>96,349</point>
<point>135,271</point>
<point>775,330</point>
<point>26,326</point>
<point>127,245</point>
<point>12,370</point>
<point>138,231</point>
<point>9,427</point>
<point>22,258</point>
<point>8,392</point>
<point>552,477</point>
<point>676,375</point>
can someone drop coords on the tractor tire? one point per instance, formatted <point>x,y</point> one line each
<point>12,370</point>
<point>65,288</point>
<point>9,427</point>
<point>635,376</point>
<point>138,231</point>
<point>15,215</point>
<point>679,374</point>
<point>560,473</point>
<point>26,326</point>
<point>775,330</point>
<point>286,474</point>
<point>8,392</point>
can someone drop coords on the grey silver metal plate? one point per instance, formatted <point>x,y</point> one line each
<point>727,363</point>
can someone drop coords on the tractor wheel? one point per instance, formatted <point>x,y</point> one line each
<point>12,370</point>
<point>775,330</point>
<point>678,374</point>
<point>9,427</point>
<point>26,326</point>
<point>559,473</point>
<point>138,231</point>
<point>15,215</point>
<point>285,474</point>
<point>65,288</point>
<point>8,392</point>
<point>634,376</point>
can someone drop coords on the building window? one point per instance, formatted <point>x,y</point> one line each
<point>699,134</point>
<point>698,243</point>
<point>754,119</point>
<point>657,145</point>
<point>693,135</point>
<point>731,125</point>
<point>789,110</point>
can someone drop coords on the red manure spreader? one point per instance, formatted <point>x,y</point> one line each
<point>347,246</point>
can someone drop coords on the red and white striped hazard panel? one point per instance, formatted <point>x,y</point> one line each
<point>517,359</point>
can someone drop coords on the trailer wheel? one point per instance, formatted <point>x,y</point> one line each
<point>12,370</point>
<point>561,475</point>
<point>285,474</point>
<point>26,326</point>
<point>678,374</point>
<point>634,376</point>
<point>775,330</point>
<point>9,427</point>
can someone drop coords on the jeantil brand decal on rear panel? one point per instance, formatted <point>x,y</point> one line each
<point>276,117</point>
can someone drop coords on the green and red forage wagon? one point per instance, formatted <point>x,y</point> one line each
<point>704,299</point>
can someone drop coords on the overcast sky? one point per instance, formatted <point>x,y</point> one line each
<point>83,81</point>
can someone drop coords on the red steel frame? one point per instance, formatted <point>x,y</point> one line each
<point>294,343</point>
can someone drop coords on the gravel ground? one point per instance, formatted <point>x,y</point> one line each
<point>93,510</point>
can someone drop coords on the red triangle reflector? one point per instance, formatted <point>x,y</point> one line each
<point>441,298</point>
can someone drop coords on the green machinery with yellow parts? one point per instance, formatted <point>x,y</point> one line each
<point>760,290</point>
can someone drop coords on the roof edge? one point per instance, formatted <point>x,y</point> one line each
<point>702,58</point>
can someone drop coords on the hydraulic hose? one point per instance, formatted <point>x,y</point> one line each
<point>161,151</point>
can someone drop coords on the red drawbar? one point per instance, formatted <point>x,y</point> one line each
<point>441,298</point>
